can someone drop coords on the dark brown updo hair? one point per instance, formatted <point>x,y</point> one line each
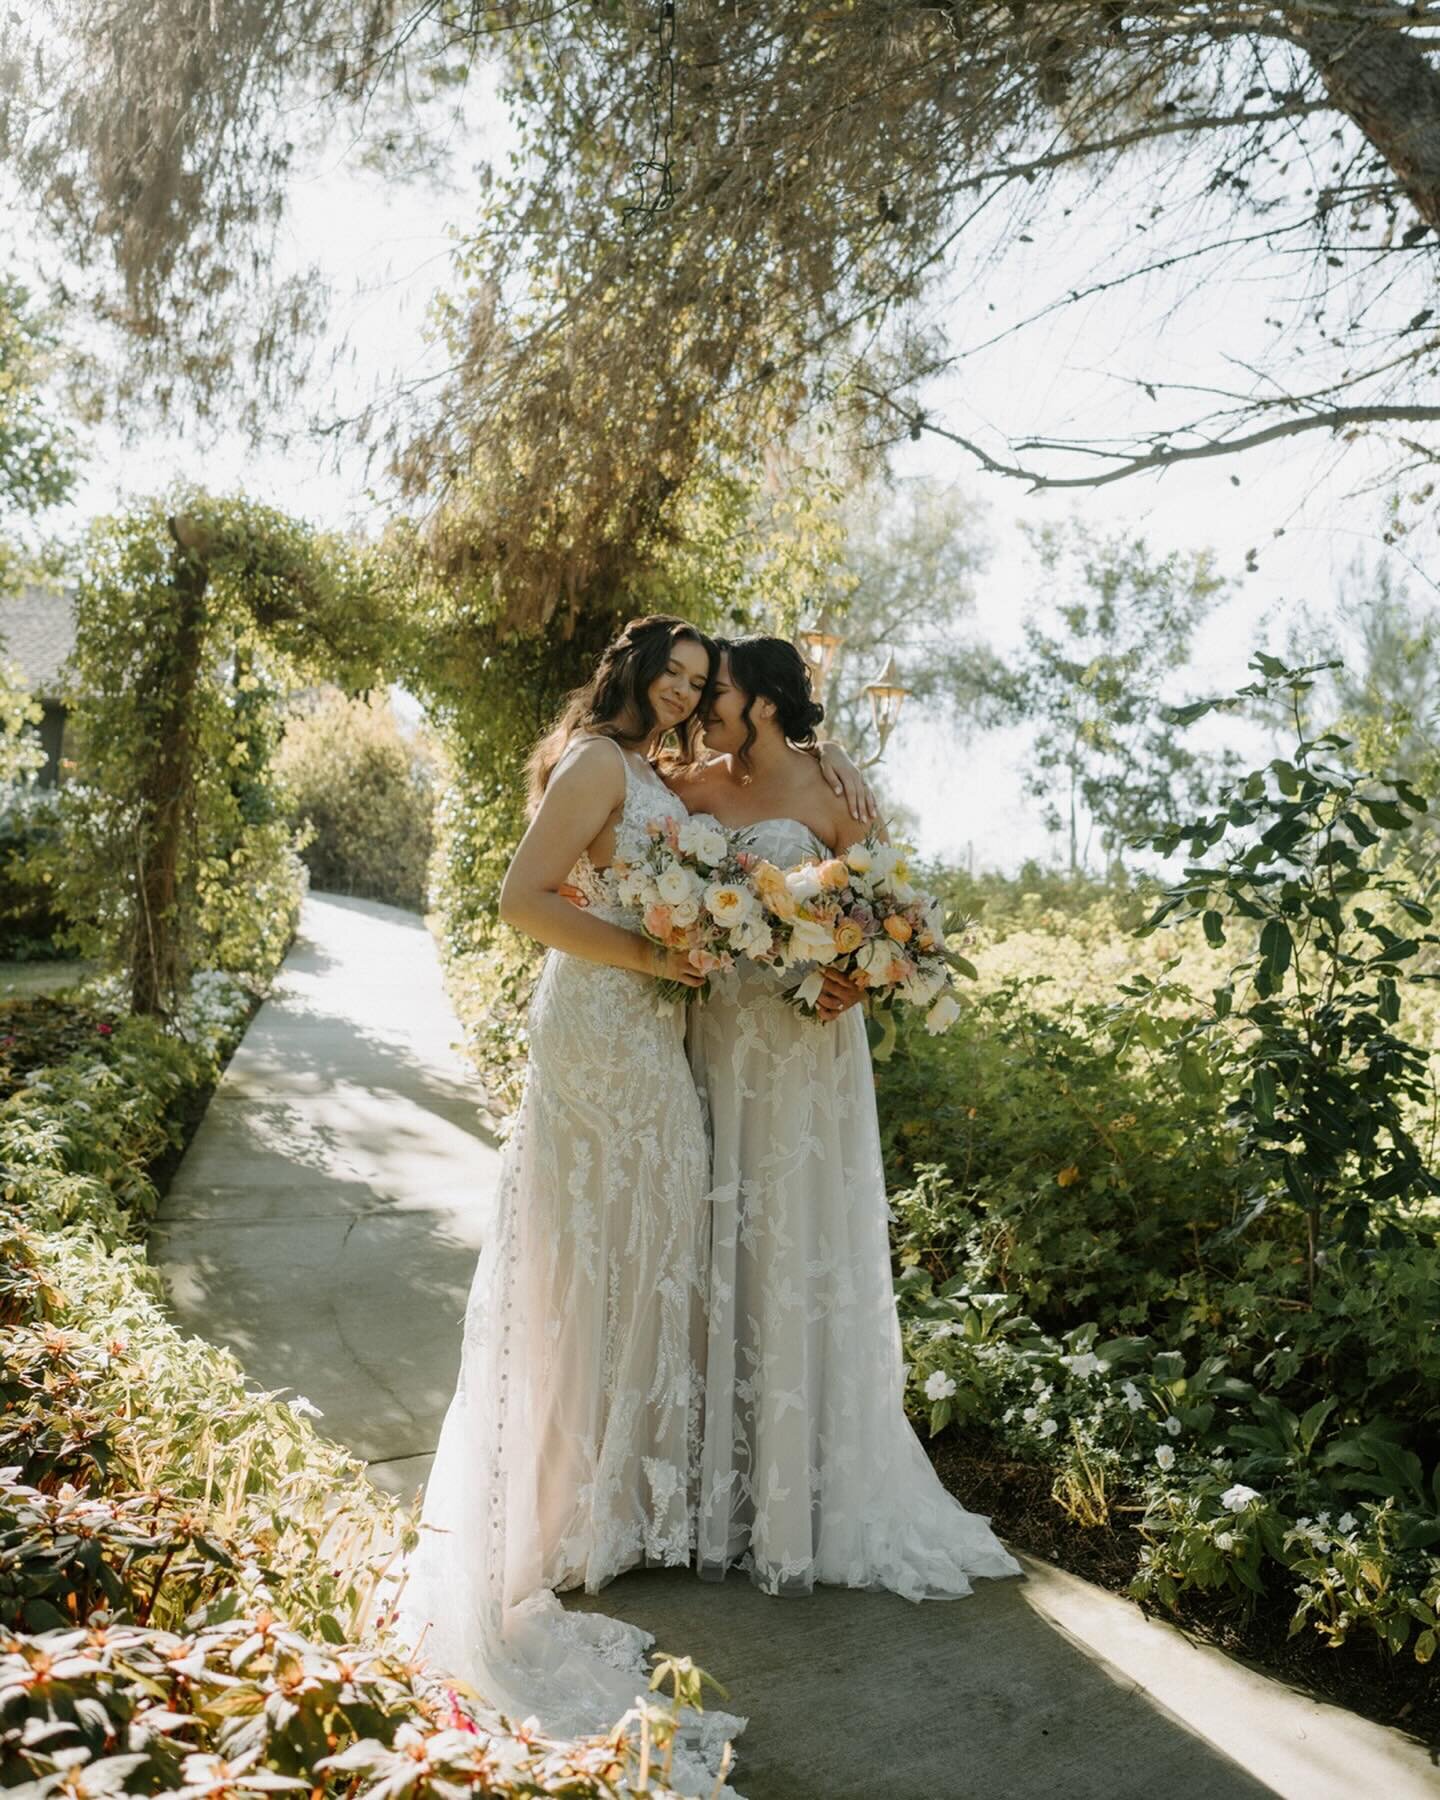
<point>615,701</point>
<point>771,668</point>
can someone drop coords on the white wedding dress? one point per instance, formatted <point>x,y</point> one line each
<point>810,1470</point>
<point>570,1449</point>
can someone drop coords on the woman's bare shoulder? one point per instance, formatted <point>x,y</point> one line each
<point>590,759</point>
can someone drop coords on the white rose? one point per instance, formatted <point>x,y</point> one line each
<point>942,1015</point>
<point>753,939</point>
<point>804,882</point>
<point>811,941</point>
<point>859,858</point>
<point>876,957</point>
<point>685,912</point>
<point>1165,1456</point>
<point>939,1386</point>
<point>677,884</point>
<point>728,904</point>
<point>1237,1498</point>
<point>699,838</point>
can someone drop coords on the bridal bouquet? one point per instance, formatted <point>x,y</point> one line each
<point>694,891</point>
<point>859,914</point>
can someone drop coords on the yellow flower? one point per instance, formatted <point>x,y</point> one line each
<point>1068,1176</point>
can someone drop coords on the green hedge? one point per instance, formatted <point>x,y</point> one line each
<point>189,1575</point>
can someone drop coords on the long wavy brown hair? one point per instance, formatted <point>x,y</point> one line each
<point>615,701</point>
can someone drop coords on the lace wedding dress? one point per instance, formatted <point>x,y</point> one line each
<point>810,1470</point>
<point>570,1449</point>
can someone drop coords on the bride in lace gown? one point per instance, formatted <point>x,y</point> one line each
<point>570,1449</point>
<point>810,1470</point>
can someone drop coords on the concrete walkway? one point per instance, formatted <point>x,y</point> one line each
<point>324,1224</point>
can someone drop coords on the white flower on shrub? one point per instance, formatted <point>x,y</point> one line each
<point>939,1385</point>
<point>1134,1399</point>
<point>1237,1498</point>
<point>1049,1428</point>
<point>1165,1456</point>
<point>306,1408</point>
<point>1224,1540</point>
<point>1030,1414</point>
<point>1348,1521</point>
<point>1173,1426</point>
<point>1083,1363</point>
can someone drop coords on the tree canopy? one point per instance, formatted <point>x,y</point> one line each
<point>722,222</point>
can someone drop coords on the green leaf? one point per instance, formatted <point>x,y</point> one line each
<point>1187,715</point>
<point>1262,1092</point>
<point>1298,1184</point>
<point>1386,813</point>
<point>1214,929</point>
<point>1276,945</point>
<point>1312,1421</point>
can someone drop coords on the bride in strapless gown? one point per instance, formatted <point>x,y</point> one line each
<point>810,1471</point>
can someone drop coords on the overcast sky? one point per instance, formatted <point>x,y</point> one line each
<point>385,251</point>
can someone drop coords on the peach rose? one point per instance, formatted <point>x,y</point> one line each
<point>657,920</point>
<point>848,937</point>
<point>899,927</point>
<point>833,873</point>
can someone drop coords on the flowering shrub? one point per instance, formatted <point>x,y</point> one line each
<point>189,1576</point>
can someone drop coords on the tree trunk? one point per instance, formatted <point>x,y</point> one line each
<point>1386,82</point>
<point>155,966</point>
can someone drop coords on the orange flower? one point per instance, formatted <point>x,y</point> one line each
<point>657,919</point>
<point>1068,1176</point>
<point>848,937</point>
<point>833,873</point>
<point>899,928</point>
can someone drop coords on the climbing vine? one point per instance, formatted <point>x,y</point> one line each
<point>193,615</point>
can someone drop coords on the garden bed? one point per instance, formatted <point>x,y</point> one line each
<point>1361,1675</point>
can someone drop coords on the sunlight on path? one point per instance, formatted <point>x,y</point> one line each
<point>325,1219</point>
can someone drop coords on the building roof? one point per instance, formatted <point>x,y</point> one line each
<point>37,630</point>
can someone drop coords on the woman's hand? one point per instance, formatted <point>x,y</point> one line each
<point>672,965</point>
<point>848,782</point>
<point>576,896</point>
<point>837,995</point>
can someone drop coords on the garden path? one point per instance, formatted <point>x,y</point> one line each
<point>324,1223</point>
